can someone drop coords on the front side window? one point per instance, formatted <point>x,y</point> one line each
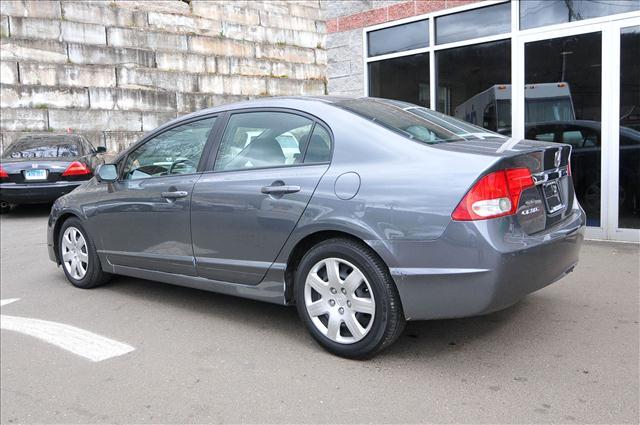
<point>176,151</point>
<point>263,139</point>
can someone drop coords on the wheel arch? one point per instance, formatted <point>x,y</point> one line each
<point>56,231</point>
<point>306,243</point>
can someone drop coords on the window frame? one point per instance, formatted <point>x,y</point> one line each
<point>226,116</point>
<point>215,128</point>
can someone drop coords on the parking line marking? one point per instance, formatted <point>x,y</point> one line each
<point>78,341</point>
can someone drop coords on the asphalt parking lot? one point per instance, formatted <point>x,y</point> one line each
<point>568,353</point>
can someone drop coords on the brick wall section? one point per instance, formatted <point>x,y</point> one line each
<point>115,69</point>
<point>345,21</point>
<point>388,13</point>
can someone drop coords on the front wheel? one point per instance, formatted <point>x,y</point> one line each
<point>78,256</point>
<point>347,299</point>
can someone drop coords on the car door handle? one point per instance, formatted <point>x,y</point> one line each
<point>280,190</point>
<point>174,195</point>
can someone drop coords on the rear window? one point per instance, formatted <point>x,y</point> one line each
<point>415,122</point>
<point>43,149</point>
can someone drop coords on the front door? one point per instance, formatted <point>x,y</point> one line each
<point>144,218</point>
<point>263,178</point>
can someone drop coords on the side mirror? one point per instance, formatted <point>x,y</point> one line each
<point>101,149</point>
<point>107,173</point>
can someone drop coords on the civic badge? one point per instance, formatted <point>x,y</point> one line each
<point>557,158</point>
<point>34,165</point>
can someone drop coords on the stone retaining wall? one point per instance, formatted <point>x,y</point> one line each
<point>114,69</point>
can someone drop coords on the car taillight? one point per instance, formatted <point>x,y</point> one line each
<point>3,173</point>
<point>495,195</point>
<point>76,169</point>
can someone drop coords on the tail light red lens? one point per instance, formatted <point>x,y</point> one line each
<point>494,195</point>
<point>3,173</point>
<point>76,169</point>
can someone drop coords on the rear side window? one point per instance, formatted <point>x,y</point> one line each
<point>263,139</point>
<point>319,149</point>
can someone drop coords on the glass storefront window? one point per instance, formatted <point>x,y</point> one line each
<point>475,23</point>
<point>405,78</point>
<point>474,84</point>
<point>537,13</point>
<point>629,184</point>
<point>563,96</point>
<point>409,36</point>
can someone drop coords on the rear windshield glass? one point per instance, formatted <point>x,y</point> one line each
<point>43,149</point>
<point>415,122</point>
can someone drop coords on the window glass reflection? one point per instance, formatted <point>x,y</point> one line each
<point>536,13</point>
<point>629,182</point>
<point>474,84</point>
<point>474,23</point>
<point>563,104</point>
<point>399,38</point>
<point>405,78</point>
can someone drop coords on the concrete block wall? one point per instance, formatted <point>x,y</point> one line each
<point>113,69</point>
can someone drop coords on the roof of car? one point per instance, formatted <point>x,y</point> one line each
<point>267,102</point>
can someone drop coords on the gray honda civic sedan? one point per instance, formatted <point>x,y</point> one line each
<point>363,213</point>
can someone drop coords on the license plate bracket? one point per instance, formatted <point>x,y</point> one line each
<point>552,197</point>
<point>31,175</point>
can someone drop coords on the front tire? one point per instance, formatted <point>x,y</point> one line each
<point>347,299</point>
<point>78,256</point>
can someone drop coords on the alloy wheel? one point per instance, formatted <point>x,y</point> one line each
<point>74,253</point>
<point>339,300</point>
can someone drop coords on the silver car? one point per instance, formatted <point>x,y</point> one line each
<point>385,212</point>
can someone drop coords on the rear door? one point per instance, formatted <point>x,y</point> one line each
<point>143,218</point>
<point>245,208</point>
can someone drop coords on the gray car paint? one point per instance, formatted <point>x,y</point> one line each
<point>401,209</point>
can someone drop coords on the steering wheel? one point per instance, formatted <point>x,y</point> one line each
<point>181,161</point>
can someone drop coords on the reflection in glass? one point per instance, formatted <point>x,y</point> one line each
<point>536,13</point>
<point>399,38</point>
<point>474,84</point>
<point>629,185</point>
<point>405,78</point>
<point>482,22</point>
<point>563,104</point>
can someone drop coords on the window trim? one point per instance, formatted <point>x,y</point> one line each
<point>227,116</point>
<point>122,160</point>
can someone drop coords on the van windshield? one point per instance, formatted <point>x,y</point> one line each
<point>415,122</point>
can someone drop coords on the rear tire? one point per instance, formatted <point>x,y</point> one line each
<point>78,256</point>
<point>347,299</point>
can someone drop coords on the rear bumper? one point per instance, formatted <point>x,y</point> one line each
<point>479,267</point>
<point>33,193</point>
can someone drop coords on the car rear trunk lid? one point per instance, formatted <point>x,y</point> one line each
<point>551,198</point>
<point>35,171</point>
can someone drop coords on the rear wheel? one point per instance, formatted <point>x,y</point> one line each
<point>78,256</point>
<point>347,299</point>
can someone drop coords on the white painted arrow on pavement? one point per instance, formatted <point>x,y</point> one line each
<point>78,341</point>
